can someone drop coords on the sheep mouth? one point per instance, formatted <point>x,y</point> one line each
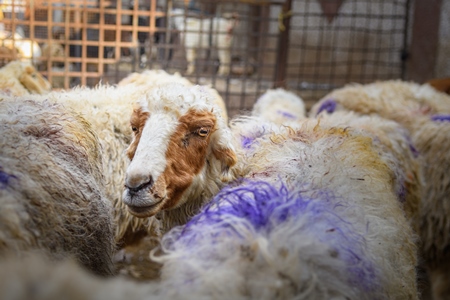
<point>145,211</point>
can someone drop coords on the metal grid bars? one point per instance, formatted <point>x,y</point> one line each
<point>352,41</point>
<point>240,47</point>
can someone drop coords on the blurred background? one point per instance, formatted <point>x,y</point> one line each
<point>241,48</point>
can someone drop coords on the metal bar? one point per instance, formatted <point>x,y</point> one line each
<point>283,42</point>
<point>425,37</point>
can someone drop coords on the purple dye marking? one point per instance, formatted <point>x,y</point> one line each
<point>413,149</point>
<point>402,193</point>
<point>263,206</point>
<point>4,179</point>
<point>286,114</point>
<point>328,105</point>
<point>246,142</point>
<point>443,118</point>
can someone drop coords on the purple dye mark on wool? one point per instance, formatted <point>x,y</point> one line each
<point>286,114</point>
<point>261,207</point>
<point>441,118</point>
<point>247,142</point>
<point>328,105</point>
<point>412,148</point>
<point>402,193</point>
<point>4,179</point>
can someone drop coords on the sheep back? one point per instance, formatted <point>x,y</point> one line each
<point>50,166</point>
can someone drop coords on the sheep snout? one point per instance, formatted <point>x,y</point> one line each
<point>136,185</point>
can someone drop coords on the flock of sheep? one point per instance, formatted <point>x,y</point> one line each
<point>146,190</point>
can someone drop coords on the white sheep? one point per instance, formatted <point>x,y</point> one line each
<point>21,78</point>
<point>200,33</point>
<point>180,155</point>
<point>108,109</point>
<point>279,106</point>
<point>51,198</point>
<point>423,111</point>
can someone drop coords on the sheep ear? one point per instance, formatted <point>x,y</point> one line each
<point>223,151</point>
<point>227,158</point>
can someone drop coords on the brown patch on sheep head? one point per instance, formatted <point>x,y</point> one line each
<point>167,157</point>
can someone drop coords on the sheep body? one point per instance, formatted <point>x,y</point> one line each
<point>345,162</point>
<point>394,144</point>
<point>423,111</point>
<point>50,166</point>
<point>279,106</point>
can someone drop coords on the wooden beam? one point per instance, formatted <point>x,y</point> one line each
<point>425,38</point>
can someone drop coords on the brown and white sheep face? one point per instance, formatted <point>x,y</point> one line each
<point>178,143</point>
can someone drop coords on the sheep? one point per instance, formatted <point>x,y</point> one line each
<point>180,155</point>
<point>201,34</point>
<point>50,196</point>
<point>108,109</point>
<point>285,108</point>
<point>21,78</point>
<point>279,106</point>
<point>317,216</point>
<point>422,111</point>
<point>151,78</point>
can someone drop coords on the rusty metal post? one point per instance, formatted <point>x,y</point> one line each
<point>283,45</point>
<point>425,38</point>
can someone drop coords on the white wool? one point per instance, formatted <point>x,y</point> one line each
<point>51,190</point>
<point>279,106</point>
<point>413,106</point>
<point>151,78</point>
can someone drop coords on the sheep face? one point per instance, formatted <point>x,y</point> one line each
<point>179,141</point>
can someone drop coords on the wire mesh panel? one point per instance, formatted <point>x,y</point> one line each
<point>333,43</point>
<point>240,47</point>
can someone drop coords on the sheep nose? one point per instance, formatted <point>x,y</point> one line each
<point>138,182</point>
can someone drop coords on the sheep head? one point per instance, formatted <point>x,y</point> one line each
<point>181,147</point>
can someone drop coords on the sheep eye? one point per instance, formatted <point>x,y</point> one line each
<point>134,129</point>
<point>203,131</point>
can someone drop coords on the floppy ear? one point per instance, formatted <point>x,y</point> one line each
<point>223,150</point>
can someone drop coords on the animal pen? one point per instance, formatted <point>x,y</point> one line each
<point>306,46</point>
